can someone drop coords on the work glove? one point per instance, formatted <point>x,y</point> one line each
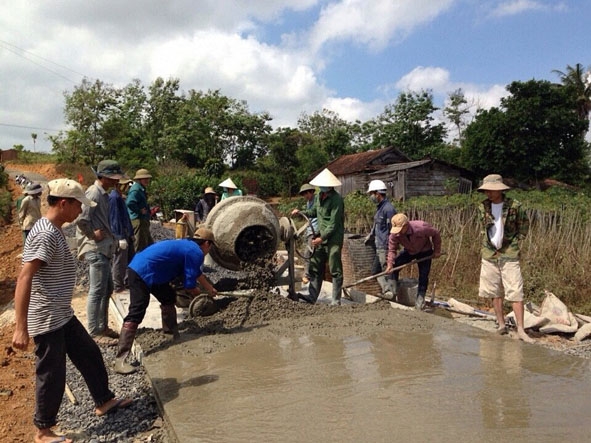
<point>123,244</point>
<point>368,240</point>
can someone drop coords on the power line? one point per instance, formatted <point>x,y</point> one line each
<point>19,51</point>
<point>30,127</point>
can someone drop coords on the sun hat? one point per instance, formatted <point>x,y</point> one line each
<point>109,169</point>
<point>325,179</point>
<point>125,181</point>
<point>306,187</point>
<point>204,234</point>
<point>33,189</point>
<point>493,182</point>
<point>142,173</point>
<point>228,183</point>
<point>66,188</point>
<point>398,222</point>
<point>209,190</point>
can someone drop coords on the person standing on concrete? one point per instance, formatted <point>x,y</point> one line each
<point>43,311</point>
<point>29,210</point>
<point>123,231</point>
<point>309,193</point>
<point>139,210</point>
<point>329,209</point>
<point>380,232</point>
<point>151,272</point>
<point>230,189</point>
<point>96,245</point>
<point>205,204</point>
<point>504,224</point>
<point>419,240</point>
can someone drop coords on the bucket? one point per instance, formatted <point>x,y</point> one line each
<point>181,229</point>
<point>407,291</point>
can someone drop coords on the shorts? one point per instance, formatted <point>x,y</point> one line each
<point>501,274</point>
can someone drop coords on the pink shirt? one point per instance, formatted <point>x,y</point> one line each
<point>420,236</point>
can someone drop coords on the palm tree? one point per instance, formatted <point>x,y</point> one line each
<point>34,136</point>
<point>580,80</point>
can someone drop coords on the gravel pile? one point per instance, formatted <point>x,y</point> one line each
<point>140,422</point>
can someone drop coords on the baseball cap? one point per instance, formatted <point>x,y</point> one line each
<point>398,222</point>
<point>204,234</point>
<point>66,188</point>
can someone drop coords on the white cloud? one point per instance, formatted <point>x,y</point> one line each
<point>372,22</point>
<point>513,7</point>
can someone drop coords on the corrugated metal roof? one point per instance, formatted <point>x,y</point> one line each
<point>358,162</point>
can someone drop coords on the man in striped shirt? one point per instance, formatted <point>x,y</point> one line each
<point>43,310</point>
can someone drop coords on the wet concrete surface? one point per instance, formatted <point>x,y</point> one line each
<point>408,376</point>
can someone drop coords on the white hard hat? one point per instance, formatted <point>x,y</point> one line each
<point>326,179</point>
<point>377,185</point>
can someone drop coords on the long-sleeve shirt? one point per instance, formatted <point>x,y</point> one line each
<point>29,212</point>
<point>330,212</point>
<point>93,218</point>
<point>119,217</point>
<point>420,236</point>
<point>382,223</point>
<point>137,199</point>
<point>515,228</point>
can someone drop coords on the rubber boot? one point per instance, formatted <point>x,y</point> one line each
<point>337,290</point>
<point>420,302</point>
<point>169,321</point>
<point>126,338</point>
<point>314,288</point>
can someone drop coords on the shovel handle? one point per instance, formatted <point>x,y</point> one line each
<point>397,268</point>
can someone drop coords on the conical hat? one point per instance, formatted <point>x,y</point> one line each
<point>325,178</point>
<point>228,183</point>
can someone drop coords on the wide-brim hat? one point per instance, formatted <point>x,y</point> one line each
<point>228,183</point>
<point>306,187</point>
<point>125,181</point>
<point>33,189</point>
<point>142,173</point>
<point>209,190</point>
<point>493,182</point>
<point>109,169</point>
<point>204,234</point>
<point>66,188</point>
<point>325,179</point>
<point>398,222</point>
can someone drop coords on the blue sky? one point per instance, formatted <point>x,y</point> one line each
<point>285,57</point>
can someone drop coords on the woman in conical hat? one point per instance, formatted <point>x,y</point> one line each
<point>230,189</point>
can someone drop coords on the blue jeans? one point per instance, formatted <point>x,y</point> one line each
<point>101,288</point>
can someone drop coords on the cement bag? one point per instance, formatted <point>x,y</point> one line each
<point>583,332</point>
<point>557,327</point>
<point>459,306</point>
<point>555,311</point>
<point>530,321</point>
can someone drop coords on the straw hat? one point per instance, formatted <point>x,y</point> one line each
<point>209,190</point>
<point>325,179</point>
<point>228,183</point>
<point>142,173</point>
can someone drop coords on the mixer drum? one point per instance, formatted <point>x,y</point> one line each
<point>245,228</point>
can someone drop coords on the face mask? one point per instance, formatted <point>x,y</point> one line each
<point>324,188</point>
<point>373,198</point>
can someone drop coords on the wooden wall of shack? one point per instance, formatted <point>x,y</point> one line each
<point>404,181</point>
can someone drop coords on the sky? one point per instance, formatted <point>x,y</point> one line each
<point>284,57</point>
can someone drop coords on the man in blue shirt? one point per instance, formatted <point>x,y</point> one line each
<point>380,233</point>
<point>151,272</point>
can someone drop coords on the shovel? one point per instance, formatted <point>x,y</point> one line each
<point>371,277</point>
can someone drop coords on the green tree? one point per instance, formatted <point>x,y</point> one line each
<point>578,80</point>
<point>456,111</point>
<point>34,137</point>
<point>331,133</point>
<point>408,125</point>
<point>532,136</point>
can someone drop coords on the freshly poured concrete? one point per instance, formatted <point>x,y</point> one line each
<point>452,382</point>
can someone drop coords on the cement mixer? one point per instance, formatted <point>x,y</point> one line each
<point>246,230</point>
